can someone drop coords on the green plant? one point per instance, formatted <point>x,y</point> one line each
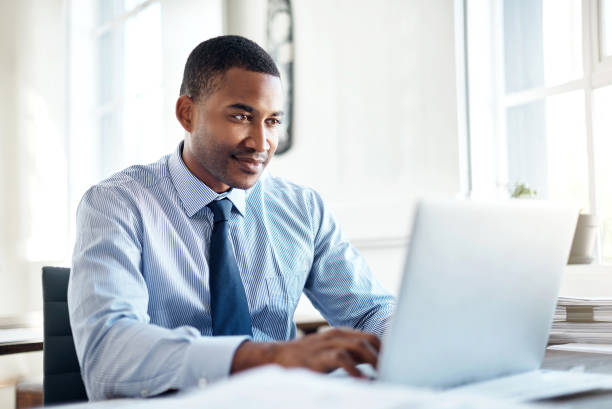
<point>522,191</point>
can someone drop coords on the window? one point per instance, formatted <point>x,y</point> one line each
<point>126,66</point>
<point>539,83</point>
<point>129,83</point>
<point>605,23</point>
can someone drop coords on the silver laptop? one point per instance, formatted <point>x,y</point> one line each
<point>479,290</point>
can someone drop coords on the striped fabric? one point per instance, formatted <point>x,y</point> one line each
<point>138,293</point>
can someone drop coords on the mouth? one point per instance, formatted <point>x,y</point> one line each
<point>249,164</point>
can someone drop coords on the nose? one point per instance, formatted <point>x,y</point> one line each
<point>258,138</point>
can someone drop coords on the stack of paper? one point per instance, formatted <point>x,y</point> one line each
<point>582,320</point>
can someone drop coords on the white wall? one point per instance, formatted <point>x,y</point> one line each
<point>11,284</point>
<point>33,179</point>
<point>376,99</point>
<point>32,134</point>
<point>31,119</point>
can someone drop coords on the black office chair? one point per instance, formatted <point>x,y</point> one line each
<point>62,382</point>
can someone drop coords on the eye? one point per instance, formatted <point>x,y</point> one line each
<point>240,117</point>
<point>274,121</point>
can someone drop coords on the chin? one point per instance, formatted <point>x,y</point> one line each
<point>243,183</point>
<point>241,179</point>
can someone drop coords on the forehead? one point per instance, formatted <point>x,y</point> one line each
<point>237,85</point>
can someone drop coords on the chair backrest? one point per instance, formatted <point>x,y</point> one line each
<point>62,382</point>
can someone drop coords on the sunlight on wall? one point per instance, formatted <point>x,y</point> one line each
<point>46,179</point>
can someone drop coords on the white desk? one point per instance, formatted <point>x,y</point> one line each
<point>299,389</point>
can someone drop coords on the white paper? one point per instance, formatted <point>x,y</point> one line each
<point>578,347</point>
<point>272,387</point>
<point>589,301</point>
<point>540,384</point>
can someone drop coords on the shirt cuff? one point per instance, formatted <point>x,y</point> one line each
<point>208,359</point>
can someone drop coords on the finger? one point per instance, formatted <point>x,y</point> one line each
<point>373,340</point>
<point>363,351</point>
<point>351,333</point>
<point>342,359</point>
<point>359,349</point>
<point>363,346</point>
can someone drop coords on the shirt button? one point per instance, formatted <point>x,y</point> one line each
<point>202,382</point>
<point>144,393</point>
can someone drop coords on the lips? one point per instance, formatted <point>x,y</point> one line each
<point>249,164</point>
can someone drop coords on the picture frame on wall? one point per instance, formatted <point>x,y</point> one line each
<point>279,40</point>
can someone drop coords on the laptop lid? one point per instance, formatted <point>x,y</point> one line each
<point>478,291</point>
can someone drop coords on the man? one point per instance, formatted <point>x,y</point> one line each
<point>189,269</point>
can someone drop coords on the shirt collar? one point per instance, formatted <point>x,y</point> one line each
<point>194,193</point>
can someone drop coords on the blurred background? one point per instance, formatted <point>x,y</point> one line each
<point>392,100</point>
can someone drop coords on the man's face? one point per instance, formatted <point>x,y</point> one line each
<point>233,132</point>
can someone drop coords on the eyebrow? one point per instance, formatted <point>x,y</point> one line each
<point>243,107</point>
<point>250,109</point>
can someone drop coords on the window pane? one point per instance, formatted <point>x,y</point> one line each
<point>130,4</point>
<point>108,10</point>
<point>109,64</point>
<point>606,27</point>
<point>130,91</point>
<point>142,51</point>
<point>143,101</point>
<point>546,148</point>
<point>542,43</point>
<point>602,128</point>
<point>110,152</point>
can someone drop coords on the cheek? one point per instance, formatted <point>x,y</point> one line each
<point>272,148</point>
<point>226,134</point>
<point>212,137</point>
<point>273,141</point>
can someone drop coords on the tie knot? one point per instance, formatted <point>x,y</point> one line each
<point>221,209</point>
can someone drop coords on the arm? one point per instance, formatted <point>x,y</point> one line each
<point>120,352</point>
<point>340,283</point>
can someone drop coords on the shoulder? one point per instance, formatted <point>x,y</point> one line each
<point>144,176</point>
<point>128,185</point>
<point>278,189</point>
<point>288,203</point>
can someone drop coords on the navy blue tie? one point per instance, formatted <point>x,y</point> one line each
<point>228,303</point>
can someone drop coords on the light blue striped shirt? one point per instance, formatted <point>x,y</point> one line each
<point>138,295</point>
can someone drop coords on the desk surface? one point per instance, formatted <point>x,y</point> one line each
<point>19,339</point>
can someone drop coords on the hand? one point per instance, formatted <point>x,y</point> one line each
<point>324,352</point>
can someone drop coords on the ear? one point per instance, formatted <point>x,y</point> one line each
<point>184,112</point>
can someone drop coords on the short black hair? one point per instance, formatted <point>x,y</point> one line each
<point>213,57</point>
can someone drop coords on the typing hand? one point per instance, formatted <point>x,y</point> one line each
<point>324,352</point>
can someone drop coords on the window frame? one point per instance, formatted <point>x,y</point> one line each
<point>601,61</point>
<point>597,73</point>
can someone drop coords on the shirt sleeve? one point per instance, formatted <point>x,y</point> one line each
<point>340,284</point>
<point>120,352</point>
